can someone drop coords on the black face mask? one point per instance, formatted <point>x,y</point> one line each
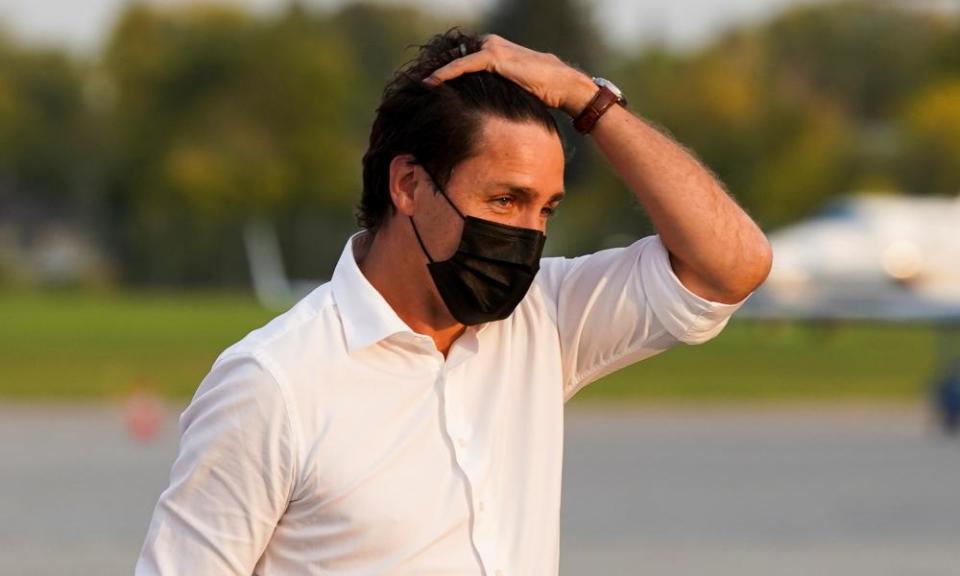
<point>491,270</point>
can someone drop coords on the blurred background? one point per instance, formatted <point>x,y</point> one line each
<point>175,173</point>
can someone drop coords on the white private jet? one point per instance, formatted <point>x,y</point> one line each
<point>875,258</point>
<point>867,257</point>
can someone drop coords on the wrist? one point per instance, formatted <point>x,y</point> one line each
<point>580,92</point>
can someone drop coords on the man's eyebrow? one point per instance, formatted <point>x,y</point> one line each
<point>526,192</point>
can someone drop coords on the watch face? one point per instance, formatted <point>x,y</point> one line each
<point>612,87</point>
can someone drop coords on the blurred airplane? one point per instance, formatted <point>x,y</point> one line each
<point>875,258</point>
<point>867,258</point>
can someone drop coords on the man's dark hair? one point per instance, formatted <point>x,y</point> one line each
<point>438,125</point>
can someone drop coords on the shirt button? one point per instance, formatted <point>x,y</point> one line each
<point>499,572</point>
<point>461,442</point>
<point>481,506</point>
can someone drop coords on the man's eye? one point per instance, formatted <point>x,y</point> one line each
<point>548,211</point>
<point>503,201</point>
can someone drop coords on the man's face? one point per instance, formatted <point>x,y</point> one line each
<point>516,178</point>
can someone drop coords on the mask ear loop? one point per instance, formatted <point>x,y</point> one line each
<point>420,240</point>
<point>449,201</point>
<point>443,193</point>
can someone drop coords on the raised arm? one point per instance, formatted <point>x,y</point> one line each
<point>716,250</point>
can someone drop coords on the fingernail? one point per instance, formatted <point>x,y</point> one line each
<point>430,80</point>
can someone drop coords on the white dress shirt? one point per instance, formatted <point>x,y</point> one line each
<point>335,440</point>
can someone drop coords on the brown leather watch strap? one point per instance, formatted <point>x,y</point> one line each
<point>601,102</point>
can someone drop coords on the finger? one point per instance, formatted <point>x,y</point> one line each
<point>476,62</point>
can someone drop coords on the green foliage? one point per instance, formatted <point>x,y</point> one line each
<point>811,162</point>
<point>930,124</point>
<point>220,117</point>
<point>784,362</point>
<point>563,27</point>
<point>865,56</point>
<point>199,116</point>
<point>41,125</point>
<point>800,109</point>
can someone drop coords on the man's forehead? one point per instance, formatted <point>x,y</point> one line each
<point>524,157</point>
<point>496,133</point>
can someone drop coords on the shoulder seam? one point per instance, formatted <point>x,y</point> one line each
<point>314,312</point>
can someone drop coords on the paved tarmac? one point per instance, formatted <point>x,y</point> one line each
<point>838,491</point>
<point>666,492</point>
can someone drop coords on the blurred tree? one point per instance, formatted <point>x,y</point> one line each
<point>930,123</point>
<point>383,37</point>
<point>380,38</point>
<point>221,117</point>
<point>564,27</point>
<point>867,56</point>
<point>810,161</point>
<point>793,111</point>
<point>199,117</point>
<point>858,63</point>
<point>41,127</point>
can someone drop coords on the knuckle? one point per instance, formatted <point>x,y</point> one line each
<point>496,42</point>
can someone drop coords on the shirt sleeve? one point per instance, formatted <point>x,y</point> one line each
<point>232,478</point>
<point>618,306</point>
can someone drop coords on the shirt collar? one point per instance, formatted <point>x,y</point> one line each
<point>366,316</point>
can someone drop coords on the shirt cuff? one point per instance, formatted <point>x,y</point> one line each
<point>690,318</point>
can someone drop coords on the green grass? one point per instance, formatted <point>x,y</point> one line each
<point>82,346</point>
<point>777,362</point>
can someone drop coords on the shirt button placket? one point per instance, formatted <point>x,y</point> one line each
<point>456,430</point>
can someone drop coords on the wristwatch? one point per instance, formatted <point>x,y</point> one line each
<point>607,95</point>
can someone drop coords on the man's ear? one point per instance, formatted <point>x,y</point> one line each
<point>403,183</point>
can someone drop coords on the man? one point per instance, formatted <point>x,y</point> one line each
<point>407,417</point>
